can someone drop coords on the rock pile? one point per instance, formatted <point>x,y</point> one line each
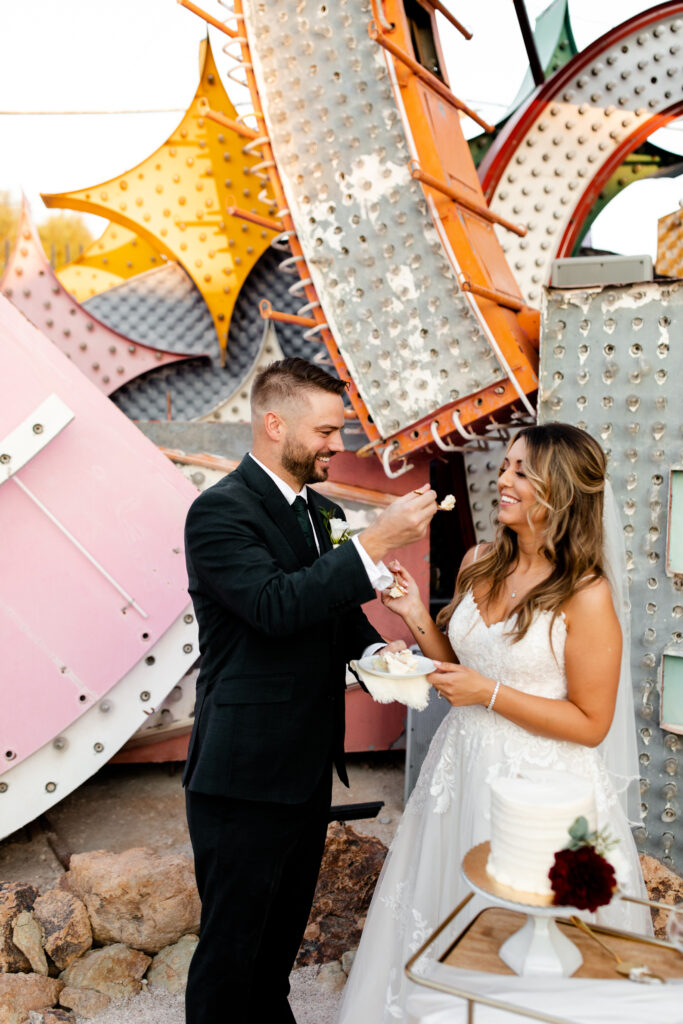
<point>118,922</point>
<point>113,919</point>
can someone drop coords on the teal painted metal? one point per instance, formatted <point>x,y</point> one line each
<point>556,45</point>
<point>674,544</point>
<point>672,693</point>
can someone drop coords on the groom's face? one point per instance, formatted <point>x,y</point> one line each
<point>312,436</point>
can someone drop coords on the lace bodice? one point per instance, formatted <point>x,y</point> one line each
<point>534,664</point>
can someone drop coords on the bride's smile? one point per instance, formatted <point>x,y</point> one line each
<point>518,499</point>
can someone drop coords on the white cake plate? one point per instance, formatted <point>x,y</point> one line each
<point>539,947</point>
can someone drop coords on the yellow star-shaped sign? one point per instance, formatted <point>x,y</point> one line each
<point>177,199</point>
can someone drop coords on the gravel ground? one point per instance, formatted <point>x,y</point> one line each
<point>144,805</point>
<point>310,1004</point>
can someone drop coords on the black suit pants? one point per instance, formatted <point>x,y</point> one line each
<point>257,865</point>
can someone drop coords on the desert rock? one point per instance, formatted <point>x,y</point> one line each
<point>86,1002</point>
<point>331,977</point>
<point>169,967</point>
<point>663,886</point>
<point>21,993</point>
<point>27,935</point>
<point>14,897</point>
<point>348,875</point>
<point>50,1016</point>
<point>66,926</point>
<point>114,970</point>
<point>138,897</point>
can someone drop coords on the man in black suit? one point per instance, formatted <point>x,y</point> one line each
<point>279,617</point>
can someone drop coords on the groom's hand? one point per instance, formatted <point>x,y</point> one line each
<point>394,646</point>
<point>404,521</point>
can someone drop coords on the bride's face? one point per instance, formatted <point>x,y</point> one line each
<point>516,493</point>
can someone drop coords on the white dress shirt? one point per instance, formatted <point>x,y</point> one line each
<point>378,574</point>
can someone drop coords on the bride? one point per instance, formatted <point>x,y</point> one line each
<point>531,664</point>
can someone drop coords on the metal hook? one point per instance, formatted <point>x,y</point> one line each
<point>443,445</point>
<point>310,333</point>
<point>386,458</point>
<point>461,430</point>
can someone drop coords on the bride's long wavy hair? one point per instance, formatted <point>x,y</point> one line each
<point>566,467</point>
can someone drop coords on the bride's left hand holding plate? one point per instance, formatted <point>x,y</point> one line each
<point>460,685</point>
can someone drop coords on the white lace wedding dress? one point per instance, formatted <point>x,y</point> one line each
<point>448,813</point>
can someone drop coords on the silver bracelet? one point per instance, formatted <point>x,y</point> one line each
<point>493,696</point>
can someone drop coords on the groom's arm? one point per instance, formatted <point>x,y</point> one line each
<point>239,565</point>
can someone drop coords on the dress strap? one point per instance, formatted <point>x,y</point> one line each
<point>476,553</point>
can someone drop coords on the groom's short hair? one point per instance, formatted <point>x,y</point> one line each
<point>287,378</point>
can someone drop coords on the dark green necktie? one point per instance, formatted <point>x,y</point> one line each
<point>300,507</point>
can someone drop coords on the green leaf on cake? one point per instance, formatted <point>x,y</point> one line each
<point>579,830</point>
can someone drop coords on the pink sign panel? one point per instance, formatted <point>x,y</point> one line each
<point>93,590</point>
<point>107,358</point>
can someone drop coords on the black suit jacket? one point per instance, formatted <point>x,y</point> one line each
<point>276,628</point>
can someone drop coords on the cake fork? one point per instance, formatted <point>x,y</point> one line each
<point>633,971</point>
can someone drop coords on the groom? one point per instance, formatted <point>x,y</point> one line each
<point>279,617</point>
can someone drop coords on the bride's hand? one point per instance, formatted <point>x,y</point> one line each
<point>409,602</point>
<point>461,685</point>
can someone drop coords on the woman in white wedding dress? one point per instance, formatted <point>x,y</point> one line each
<point>531,665</point>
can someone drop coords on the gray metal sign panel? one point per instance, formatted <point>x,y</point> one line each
<point>410,337</point>
<point>612,363</point>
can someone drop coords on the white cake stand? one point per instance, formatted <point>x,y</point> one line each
<point>539,947</point>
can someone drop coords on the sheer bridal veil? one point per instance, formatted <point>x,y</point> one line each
<point>620,747</point>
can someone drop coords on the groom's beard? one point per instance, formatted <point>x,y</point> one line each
<point>302,464</point>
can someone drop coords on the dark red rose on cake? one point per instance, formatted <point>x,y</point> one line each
<point>582,879</point>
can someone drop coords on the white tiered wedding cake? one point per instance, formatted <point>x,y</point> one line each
<point>530,819</point>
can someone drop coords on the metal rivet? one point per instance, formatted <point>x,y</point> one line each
<point>5,458</point>
<point>37,428</point>
<point>188,618</point>
<point>187,648</point>
<point>145,695</point>
<point>98,747</point>
<point>50,787</point>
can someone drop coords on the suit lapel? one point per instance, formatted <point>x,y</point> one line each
<point>276,507</point>
<point>315,503</point>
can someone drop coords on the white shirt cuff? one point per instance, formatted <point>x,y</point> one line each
<point>378,574</point>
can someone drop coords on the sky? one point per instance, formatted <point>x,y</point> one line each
<point>142,55</point>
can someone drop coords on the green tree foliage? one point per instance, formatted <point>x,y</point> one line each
<point>9,216</point>
<point>63,235</point>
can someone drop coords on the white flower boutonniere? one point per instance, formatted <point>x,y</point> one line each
<point>338,529</point>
